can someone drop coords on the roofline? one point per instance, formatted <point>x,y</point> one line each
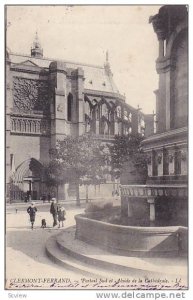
<point>104,94</point>
<point>52,59</point>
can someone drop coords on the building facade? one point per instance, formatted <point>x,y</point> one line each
<point>47,99</point>
<point>165,191</point>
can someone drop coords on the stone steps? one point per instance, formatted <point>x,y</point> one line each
<point>89,260</point>
<point>61,258</point>
<point>102,259</point>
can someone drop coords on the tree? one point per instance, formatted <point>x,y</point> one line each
<point>127,149</point>
<point>79,160</point>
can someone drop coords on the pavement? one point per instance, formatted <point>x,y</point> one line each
<point>25,248</point>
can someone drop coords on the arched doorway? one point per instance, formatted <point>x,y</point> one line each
<point>28,181</point>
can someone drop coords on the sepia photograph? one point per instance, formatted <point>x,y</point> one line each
<point>96,147</point>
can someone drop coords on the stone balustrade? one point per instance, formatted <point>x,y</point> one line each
<point>167,153</point>
<point>147,191</point>
<point>30,125</point>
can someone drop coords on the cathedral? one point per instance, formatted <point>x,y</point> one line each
<point>48,99</point>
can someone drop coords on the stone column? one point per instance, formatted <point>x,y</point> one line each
<point>149,164</point>
<point>116,127</point>
<point>161,48</point>
<point>151,202</point>
<point>184,163</point>
<point>159,25</point>
<point>59,124</point>
<point>97,126</point>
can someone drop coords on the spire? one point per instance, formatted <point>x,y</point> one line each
<point>36,43</point>
<point>109,74</point>
<point>36,50</point>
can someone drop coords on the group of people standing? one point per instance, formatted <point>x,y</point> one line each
<point>56,209</point>
<point>58,212</point>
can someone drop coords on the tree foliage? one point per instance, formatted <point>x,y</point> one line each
<point>77,159</point>
<point>124,149</point>
<point>85,160</point>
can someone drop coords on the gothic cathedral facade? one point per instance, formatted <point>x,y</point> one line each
<point>47,99</point>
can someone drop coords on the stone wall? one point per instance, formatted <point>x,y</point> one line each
<point>128,240</point>
<point>30,146</point>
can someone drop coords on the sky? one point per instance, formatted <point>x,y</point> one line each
<point>85,33</point>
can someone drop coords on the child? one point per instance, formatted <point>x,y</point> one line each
<point>61,215</point>
<point>31,210</point>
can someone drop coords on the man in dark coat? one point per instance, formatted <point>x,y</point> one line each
<point>53,211</point>
<point>31,210</point>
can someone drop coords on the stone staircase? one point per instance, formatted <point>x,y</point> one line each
<point>67,251</point>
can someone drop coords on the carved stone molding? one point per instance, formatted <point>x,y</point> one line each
<point>159,26</point>
<point>146,191</point>
<point>30,126</point>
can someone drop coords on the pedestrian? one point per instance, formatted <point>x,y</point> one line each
<point>31,210</point>
<point>53,211</point>
<point>61,215</point>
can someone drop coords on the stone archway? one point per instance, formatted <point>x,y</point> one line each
<point>28,181</point>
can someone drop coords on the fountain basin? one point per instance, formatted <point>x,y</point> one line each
<point>132,240</point>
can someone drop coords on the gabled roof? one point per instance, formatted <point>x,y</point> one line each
<point>28,63</point>
<point>96,77</point>
<point>25,65</point>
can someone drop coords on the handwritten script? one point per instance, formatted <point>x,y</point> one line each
<point>96,283</point>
